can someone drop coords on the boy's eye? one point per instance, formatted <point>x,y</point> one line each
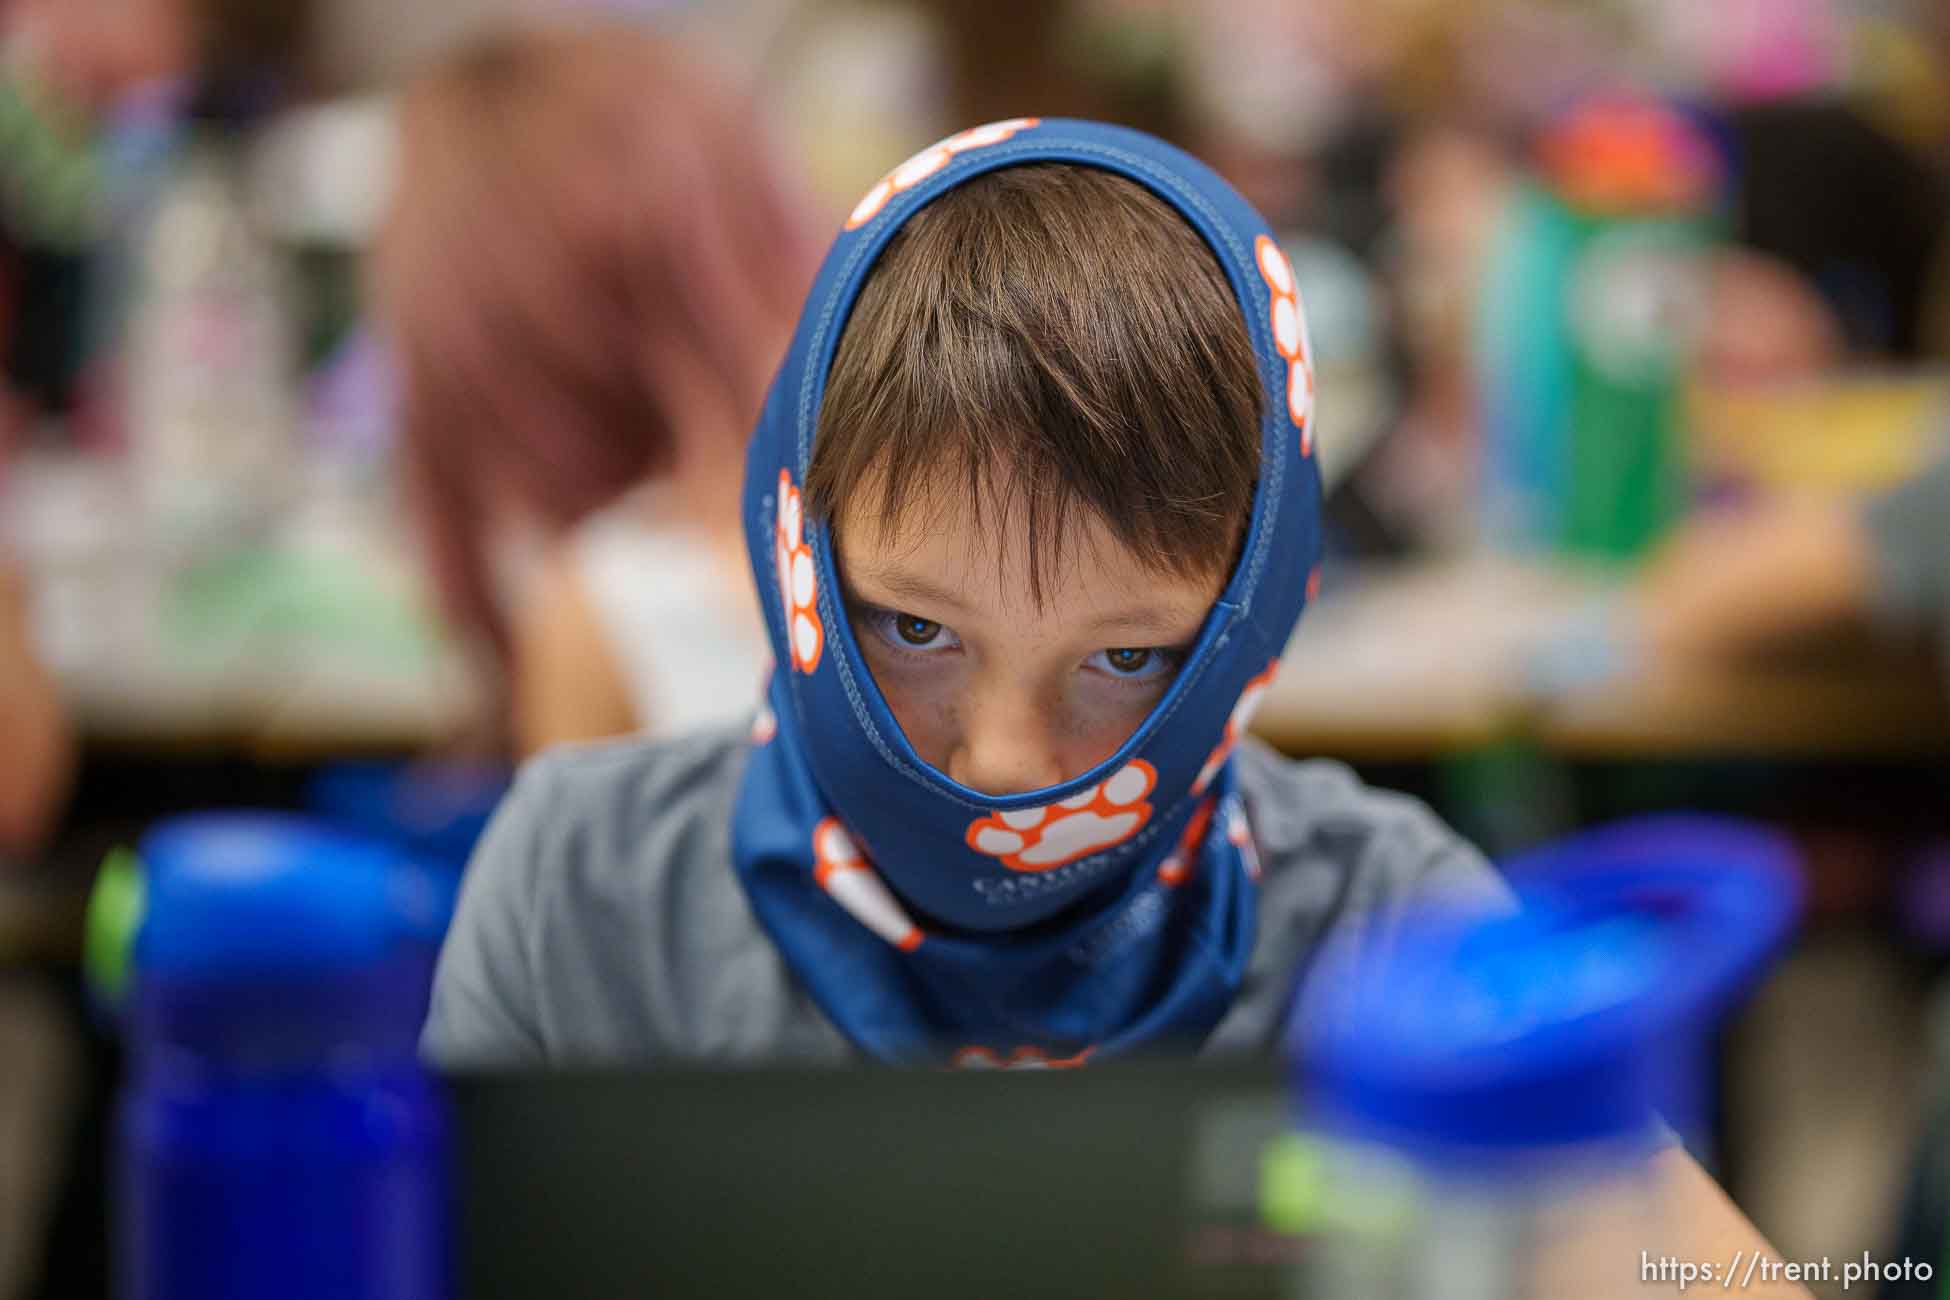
<point>906,632</point>
<point>1137,663</point>
<point>916,631</point>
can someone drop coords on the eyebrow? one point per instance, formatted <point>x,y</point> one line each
<point>911,586</point>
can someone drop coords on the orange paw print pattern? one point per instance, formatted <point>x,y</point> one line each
<point>1176,869</point>
<point>1023,1058</point>
<point>798,585</point>
<point>1242,716</point>
<point>1037,839</point>
<point>1239,832</point>
<point>929,161</point>
<point>1289,336</point>
<point>844,872</point>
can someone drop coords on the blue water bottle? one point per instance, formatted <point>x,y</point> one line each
<point>1484,1096</point>
<point>277,1136</point>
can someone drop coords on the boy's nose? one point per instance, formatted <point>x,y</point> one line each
<point>1006,746</point>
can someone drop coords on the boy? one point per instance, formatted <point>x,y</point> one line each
<point>1033,509</point>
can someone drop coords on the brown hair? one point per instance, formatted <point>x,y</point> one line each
<point>1049,338</point>
<point>589,269</point>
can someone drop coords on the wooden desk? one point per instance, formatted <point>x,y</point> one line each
<point>303,632</point>
<point>1882,706</point>
<point>1424,662</point>
<point>294,709</point>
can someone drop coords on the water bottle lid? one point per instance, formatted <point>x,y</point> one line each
<point>255,893</point>
<point>1556,1026</point>
<point>1627,154</point>
<point>436,812</point>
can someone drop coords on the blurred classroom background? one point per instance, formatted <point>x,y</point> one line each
<point>1632,321</point>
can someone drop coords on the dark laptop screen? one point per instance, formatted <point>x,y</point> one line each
<point>1139,1181</point>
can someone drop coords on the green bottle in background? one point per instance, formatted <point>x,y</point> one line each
<point>1639,185</point>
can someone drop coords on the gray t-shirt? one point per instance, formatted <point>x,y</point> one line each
<point>601,921</point>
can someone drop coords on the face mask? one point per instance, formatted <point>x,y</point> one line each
<point>1109,911</point>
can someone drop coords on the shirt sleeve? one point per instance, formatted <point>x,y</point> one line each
<point>483,1011</point>
<point>1909,528</point>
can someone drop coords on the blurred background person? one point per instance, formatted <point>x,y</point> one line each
<point>587,275</point>
<point>1734,583</point>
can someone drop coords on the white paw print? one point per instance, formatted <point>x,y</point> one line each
<point>798,583</point>
<point>844,872</point>
<point>929,161</point>
<point>1289,336</point>
<point>1037,839</point>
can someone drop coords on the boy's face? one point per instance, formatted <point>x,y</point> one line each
<point>1000,694</point>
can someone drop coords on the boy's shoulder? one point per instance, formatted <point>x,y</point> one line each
<point>625,790</point>
<point>1317,815</point>
<point>1342,862</point>
<point>637,831</point>
<point>600,921</point>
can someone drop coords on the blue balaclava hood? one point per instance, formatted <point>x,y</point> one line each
<point>1108,913</point>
